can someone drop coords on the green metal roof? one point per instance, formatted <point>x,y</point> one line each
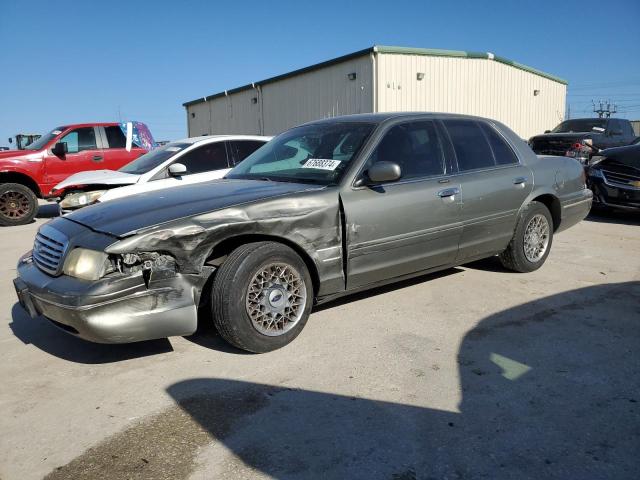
<point>431,52</point>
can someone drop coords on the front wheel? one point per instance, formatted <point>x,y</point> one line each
<point>261,296</point>
<point>532,239</point>
<point>18,204</point>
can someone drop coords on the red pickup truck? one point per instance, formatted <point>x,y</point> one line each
<point>26,175</point>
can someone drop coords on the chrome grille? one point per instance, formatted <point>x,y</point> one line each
<point>620,179</point>
<point>49,248</point>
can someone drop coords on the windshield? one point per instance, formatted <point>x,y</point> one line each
<point>152,159</point>
<point>316,154</point>
<point>46,138</point>
<point>582,126</point>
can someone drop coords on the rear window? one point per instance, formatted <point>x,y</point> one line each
<point>115,137</point>
<point>501,150</point>
<point>470,145</point>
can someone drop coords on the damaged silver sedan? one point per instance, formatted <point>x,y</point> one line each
<point>323,210</point>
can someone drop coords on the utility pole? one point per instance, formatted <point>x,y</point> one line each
<point>604,109</point>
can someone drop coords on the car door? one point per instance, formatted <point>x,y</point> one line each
<point>115,154</point>
<point>410,225</point>
<point>241,149</point>
<point>204,162</point>
<point>83,153</point>
<point>494,186</point>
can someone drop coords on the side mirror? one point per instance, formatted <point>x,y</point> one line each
<point>10,140</point>
<point>547,131</point>
<point>381,172</point>
<point>177,170</point>
<point>60,149</point>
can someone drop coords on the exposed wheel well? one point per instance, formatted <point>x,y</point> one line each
<point>224,248</point>
<point>22,179</point>
<point>553,204</point>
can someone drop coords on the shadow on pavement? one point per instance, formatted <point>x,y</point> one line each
<point>550,389</point>
<point>621,217</point>
<point>208,337</point>
<point>48,338</point>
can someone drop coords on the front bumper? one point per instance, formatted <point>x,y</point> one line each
<point>613,196</point>
<point>121,309</point>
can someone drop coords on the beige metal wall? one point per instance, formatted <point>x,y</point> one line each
<point>318,94</point>
<point>470,86</point>
<point>322,93</point>
<point>230,114</point>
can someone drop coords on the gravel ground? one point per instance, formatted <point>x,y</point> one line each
<point>474,372</point>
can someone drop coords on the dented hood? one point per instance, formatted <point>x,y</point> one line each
<point>98,177</point>
<point>126,216</point>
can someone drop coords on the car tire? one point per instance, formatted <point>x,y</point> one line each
<point>261,296</point>
<point>532,239</point>
<point>18,204</point>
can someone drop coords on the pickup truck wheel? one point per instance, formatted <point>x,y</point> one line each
<point>261,296</point>
<point>531,242</point>
<point>18,204</point>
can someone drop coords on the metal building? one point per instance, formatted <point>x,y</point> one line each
<point>385,79</point>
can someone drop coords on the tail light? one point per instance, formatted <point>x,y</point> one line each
<point>579,151</point>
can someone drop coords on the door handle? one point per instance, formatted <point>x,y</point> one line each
<point>97,158</point>
<point>448,192</point>
<point>520,180</point>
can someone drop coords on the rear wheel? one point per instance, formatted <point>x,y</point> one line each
<point>18,204</point>
<point>261,296</point>
<point>532,239</point>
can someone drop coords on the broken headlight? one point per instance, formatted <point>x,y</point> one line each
<point>81,199</point>
<point>86,264</point>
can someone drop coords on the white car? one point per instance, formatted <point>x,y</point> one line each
<point>192,160</point>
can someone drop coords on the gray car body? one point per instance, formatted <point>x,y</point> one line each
<point>351,237</point>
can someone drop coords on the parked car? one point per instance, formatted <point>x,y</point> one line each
<point>29,174</point>
<point>321,211</point>
<point>183,162</point>
<point>582,137</point>
<point>614,177</point>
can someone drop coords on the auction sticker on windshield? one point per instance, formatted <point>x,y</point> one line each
<point>321,163</point>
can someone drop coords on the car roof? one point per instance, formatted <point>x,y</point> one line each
<point>90,124</point>
<point>378,118</point>
<point>219,138</point>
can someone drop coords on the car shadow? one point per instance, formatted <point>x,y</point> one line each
<point>619,217</point>
<point>550,389</point>
<point>48,210</point>
<point>491,264</point>
<point>373,292</point>
<point>42,334</point>
<point>208,337</point>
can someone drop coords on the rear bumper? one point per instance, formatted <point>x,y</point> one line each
<point>575,210</point>
<point>125,311</point>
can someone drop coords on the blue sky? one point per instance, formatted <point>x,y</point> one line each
<point>73,61</point>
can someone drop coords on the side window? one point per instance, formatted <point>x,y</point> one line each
<point>80,139</point>
<point>470,144</point>
<point>207,158</point>
<point>243,148</point>
<point>115,137</point>
<point>501,150</point>
<point>415,147</point>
